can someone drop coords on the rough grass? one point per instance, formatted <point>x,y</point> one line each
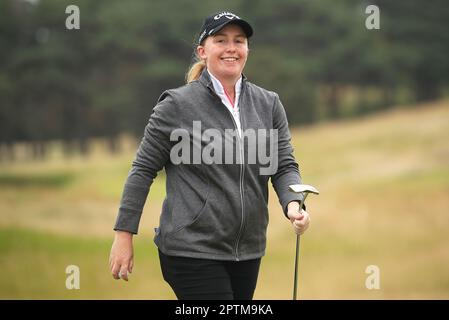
<point>34,266</point>
<point>384,201</point>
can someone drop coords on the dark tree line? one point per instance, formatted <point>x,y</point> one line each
<point>103,79</point>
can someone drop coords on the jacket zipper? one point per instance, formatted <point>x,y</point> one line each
<point>242,172</point>
<point>242,175</point>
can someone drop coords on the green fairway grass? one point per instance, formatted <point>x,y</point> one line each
<point>384,201</point>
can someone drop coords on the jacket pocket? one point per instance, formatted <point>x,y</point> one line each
<point>196,217</point>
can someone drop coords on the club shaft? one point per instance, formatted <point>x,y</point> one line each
<point>296,268</point>
<point>295,283</point>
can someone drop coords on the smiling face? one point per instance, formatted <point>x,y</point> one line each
<point>225,53</point>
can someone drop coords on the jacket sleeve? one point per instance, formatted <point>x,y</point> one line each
<point>288,171</point>
<point>152,154</point>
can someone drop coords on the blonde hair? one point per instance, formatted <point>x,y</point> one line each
<point>195,70</point>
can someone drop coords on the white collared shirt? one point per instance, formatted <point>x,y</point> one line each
<point>219,90</point>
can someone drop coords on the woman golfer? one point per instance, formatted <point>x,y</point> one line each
<point>212,136</point>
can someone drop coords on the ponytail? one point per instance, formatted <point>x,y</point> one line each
<point>195,71</point>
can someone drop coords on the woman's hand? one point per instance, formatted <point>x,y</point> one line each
<point>121,258</point>
<point>300,220</point>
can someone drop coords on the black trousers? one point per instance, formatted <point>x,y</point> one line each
<point>202,279</point>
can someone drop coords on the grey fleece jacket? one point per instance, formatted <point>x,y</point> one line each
<point>212,210</point>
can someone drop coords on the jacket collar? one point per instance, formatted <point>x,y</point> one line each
<point>207,81</point>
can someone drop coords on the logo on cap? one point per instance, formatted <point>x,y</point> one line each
<point>227,14</point>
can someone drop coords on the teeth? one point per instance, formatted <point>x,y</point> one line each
<point>230,59</point>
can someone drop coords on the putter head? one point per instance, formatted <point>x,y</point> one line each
<point>300,188</point>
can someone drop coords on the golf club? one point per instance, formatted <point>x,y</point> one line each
<point>305,189</point>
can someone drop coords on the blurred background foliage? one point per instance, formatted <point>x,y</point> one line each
<point>103,79</point>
